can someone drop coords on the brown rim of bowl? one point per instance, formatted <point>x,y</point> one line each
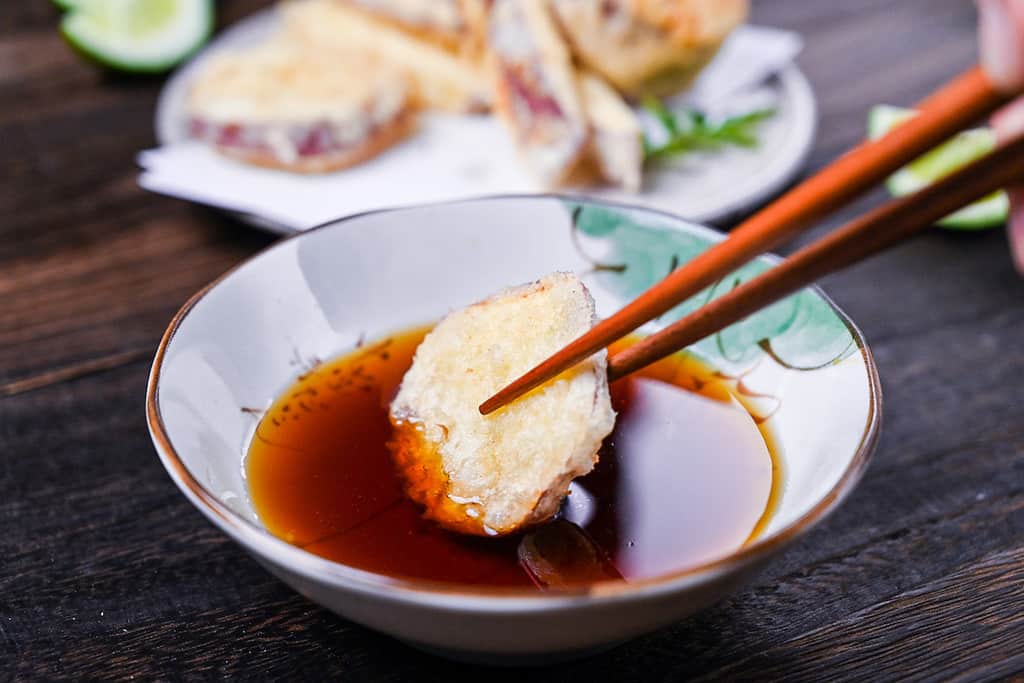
<point>303,562</point>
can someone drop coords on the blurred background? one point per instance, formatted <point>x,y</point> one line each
<point>108,573</point>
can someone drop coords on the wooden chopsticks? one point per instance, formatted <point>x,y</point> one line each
<point>873,232</point>
<point>959,103</point>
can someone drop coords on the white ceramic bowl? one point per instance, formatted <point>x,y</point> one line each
<point>244,338</point>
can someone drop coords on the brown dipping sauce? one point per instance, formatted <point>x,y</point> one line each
<point>687,476</point>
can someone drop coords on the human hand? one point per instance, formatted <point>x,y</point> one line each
<point>1001,39</point>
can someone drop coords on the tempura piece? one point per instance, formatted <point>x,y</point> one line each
<point>537,94</point>
<point>648,47</point>
<point>440,78</point>
<point>291,107</point>
<point>496,474</point>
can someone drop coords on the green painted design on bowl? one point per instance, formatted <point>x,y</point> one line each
<point>802,331</point>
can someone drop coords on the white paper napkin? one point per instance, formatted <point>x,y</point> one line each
<point>748,58</point>
<point>449,157</point>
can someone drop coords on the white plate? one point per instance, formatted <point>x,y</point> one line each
<point>707,188</point>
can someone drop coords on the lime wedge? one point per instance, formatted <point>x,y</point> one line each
<point>941,161</point>
<point>145,36</point>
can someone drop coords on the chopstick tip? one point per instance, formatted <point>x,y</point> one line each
<point>490,405</point>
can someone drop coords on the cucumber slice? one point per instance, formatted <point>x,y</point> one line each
<point>941,161</point>
<point>882,118</point>
<point>141,36</point>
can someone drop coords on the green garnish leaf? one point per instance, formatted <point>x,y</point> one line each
<point>659,111</point>
<point>691,130</point>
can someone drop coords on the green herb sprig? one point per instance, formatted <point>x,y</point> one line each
<point>690,130</point>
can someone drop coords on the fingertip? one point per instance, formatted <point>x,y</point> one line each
<point>1009,121</point>
<point>1001,37</point>
<point>1015,228</point>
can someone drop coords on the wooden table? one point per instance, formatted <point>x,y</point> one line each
<point>107,571</point>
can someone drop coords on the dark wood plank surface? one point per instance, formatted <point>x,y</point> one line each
<point>107,572</point>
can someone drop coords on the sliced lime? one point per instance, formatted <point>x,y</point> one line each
<point>147,36</point>
<point>941,161</point>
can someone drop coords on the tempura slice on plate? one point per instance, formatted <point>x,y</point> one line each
<point>292,107</point>
<point>537,93</point>
<point>440,79</point>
